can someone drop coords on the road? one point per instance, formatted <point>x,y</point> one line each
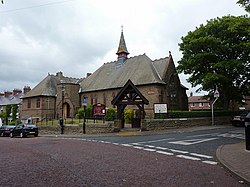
<point>169,159</point>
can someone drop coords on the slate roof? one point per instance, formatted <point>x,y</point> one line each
<point>48,86</point>
<point>139,69</point>
<point>11,100</point>
<point>161,65</point>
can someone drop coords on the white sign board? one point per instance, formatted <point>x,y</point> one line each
<point>160,108</point>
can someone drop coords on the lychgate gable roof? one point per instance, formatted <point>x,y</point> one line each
<point>129,94</point>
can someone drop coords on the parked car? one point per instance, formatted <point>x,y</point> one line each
<point>239,120</point>
<point>5,130</point>
<point>24,130</point>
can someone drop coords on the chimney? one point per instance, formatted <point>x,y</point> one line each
<point>88,74</point>
<point>191,94</point>
<point>7,93</point>
<point>59,75</point>
<point>17,91</point>
<point>26,89</point>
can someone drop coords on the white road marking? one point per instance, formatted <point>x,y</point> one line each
<point>227,135</point>
<point>210,162</point>
<point>200,155</point>
<point>187,157</point>
<point>149,149</point>
<point>165,153</point>
<point>142,147</point>
<point>135,143</point>
<point>211,134</point>
<point>152,141</point>
<point>138,147</point>
<point>162,148</point>
<point>178,151</point>
<point>192,141</point>
<point>151,146</point>
<point>127,145</point>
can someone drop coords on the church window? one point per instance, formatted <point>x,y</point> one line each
<point>91,99</point>
<point>29,103</point>
<point>104,99</point>
<point>38,103</point>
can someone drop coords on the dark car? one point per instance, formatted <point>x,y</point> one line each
<point>239,121</point>
<point>24,130</point>
<point>5,130</point>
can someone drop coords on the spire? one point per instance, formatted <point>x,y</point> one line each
<point>122,51</point>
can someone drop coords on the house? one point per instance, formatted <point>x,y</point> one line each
<point>12,98</point>
<point>198,103</point>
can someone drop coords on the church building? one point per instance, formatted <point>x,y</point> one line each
<point>157,80</point>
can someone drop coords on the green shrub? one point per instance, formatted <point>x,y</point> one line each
<point>80,113</point>
<point>196,114</point>
<point>128,115</point>
<point>89,111</point>
<point>110,114</point>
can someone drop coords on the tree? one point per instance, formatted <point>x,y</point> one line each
<point>245,4</point>
<point>217,54</point>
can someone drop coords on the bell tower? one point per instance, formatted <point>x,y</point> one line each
<point>122,51</point>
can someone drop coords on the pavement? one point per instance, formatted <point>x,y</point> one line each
<point>235,158</point>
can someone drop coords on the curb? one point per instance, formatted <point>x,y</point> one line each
<point>229,167</point>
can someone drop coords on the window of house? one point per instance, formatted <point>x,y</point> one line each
<point>192,104</point>
<point>29,103</point>
<point>201,105</point>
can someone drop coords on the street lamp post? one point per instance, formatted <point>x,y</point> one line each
<point>62,119</point>
<point>84,115</point>
<point>216,96</point>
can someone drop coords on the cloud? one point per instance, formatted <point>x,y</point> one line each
<point>76,36</point>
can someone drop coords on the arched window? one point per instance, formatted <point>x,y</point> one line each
<point>91,99</point>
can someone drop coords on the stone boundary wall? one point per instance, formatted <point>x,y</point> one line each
<point>78,129</point>
<point>151,125</point>
<point>162,124</point>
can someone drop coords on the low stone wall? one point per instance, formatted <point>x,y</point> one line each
<point>78,129</point>
<point>162,124</point>
<point>150,124</point>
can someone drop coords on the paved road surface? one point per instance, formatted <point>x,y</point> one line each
<point>89,162</point>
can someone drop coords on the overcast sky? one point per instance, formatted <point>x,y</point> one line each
<point>38,37</point>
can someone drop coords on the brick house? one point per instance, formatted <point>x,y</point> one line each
<point>198,103</point>
<point>157,80</point>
